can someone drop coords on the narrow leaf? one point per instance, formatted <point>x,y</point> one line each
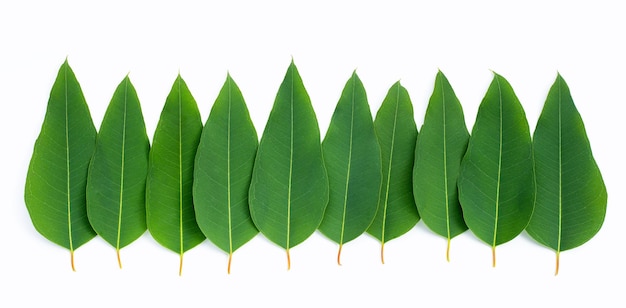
<point>396,132</point>
<point>289,188</point>
<point>223,169</point>
<point>116,186</point>
<point>441,145</point>
<point>57,174</point>
<point>571,195</point>
<point>352,159</point>
<point>496,181</point>
<point>169,206</point>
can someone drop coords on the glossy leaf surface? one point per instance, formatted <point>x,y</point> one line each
<point>116,186</point>
<point>496,181</point>
<point>169,204</point>
<point>352,159</point>
<point>441,144</point>
<point>289,188</point>
<point>223,169</point>
<point>571,195</point>
<point>396,132</point>
<point>57,174</point>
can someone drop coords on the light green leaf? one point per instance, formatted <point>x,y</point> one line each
<point>57,174</point>
<point>223,169</point>
<point>169,206</point>
<point>289,188</point>
<point>352,159</point>
<point>496,181</point>
<point>116,185</point>
<point>571,195</point>
<point>397,133</point>
<point>441,145</point>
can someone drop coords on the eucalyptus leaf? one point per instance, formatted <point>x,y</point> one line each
<point>57,174</point>
<point>396,132</point>
<point>571,196</point>
<point>496,181</point>
<point>222,172</point>
<point>441,144</point>
<point>116,185</point>
<point>170,217</point>
<point>289,187</point>
<point>353,162</point>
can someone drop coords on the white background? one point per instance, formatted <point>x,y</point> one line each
<point>525,41</point>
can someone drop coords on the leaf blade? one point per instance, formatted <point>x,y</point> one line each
<point>57,173</point>
<point>289,187</point>
<point>117,173</point>
<point>571,194</point>
<point>496,181</point>
<point>354,171</point>
<point>397,133</point>
<point>169,205</point>
<point>442,142</point>
<point>226,154</point>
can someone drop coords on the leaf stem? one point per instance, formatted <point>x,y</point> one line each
<point>180,267</point>
<point>72,259</point>
<point>230,259</point>
<point>288,260</point>
<point>556,272</point>
<point>382,252</point>
<point>119,260</point>
<point>493,256</point>
<point>448,251</point>
<point>339,255</point>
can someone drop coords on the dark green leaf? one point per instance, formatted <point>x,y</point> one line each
<point>169,203</point>
<point>571,195</point>
<point>223,170</point>
<point>352,159</point>
<point>289,188</point>
<point>441,145</point>
<point>57,175</point>
<point>397,133</point>
<point>496,181</point>
<point>116,186</point>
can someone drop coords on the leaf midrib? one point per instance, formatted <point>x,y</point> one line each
<point>230,231</point>
<point>123,154</point>
<point>180,171</point>
<point>558,249</point>
<point>67,165</point>
<point>495,227</point>
<point>393,137</point>
<point>445,159</point>
<point>290,162</point>
<point>345,197</point>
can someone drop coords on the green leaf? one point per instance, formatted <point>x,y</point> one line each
<point>169,205</point>
<point>352,160</point>
<point>571,195</point>
<point>289,188</point>
<point>223,169</point>
<point>116,185</point>
<point>441,145</point>
<point>397,133</point>
<point>57,174</point>
<point>496,181</point>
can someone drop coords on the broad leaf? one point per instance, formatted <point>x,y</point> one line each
<point>223,169</point>
<point>57,174</point>
<point>352,159</point>
<point>396,132</point>
<point>289,188</point>
<point>116,186</point>
<point>496,181</point>
<point>441,144</point>
<point>571,195</point>
<point>169,206</point>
